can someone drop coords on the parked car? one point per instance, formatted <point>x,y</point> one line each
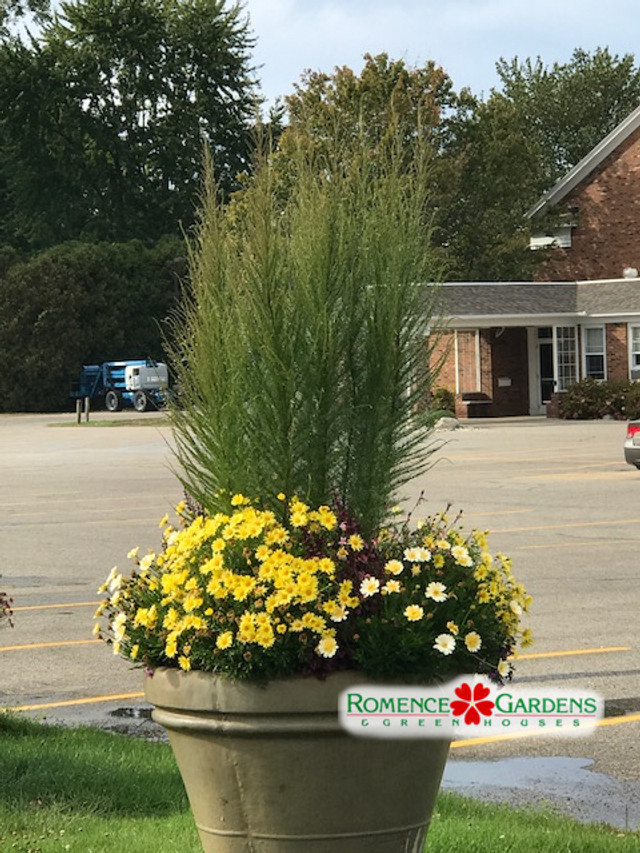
<point>632,444</point>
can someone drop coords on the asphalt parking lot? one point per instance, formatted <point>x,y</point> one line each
<point>557,496</point>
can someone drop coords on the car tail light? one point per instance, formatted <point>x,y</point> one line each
<point>632,429</point>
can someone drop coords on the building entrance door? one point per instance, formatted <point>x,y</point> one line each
<point>546,365</point>
<point>553,359</point>
<point>547,382</point>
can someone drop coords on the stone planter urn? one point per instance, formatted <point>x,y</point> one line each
<point>268,769</point>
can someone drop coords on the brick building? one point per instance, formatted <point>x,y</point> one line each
<point>510,345</point>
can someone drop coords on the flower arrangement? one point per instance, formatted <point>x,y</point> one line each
<point>299,353</point>
<point>255,594</point>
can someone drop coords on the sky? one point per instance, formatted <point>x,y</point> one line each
<point>465,37</point>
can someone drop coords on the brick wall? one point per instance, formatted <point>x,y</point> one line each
<point>444,354</point>
<point>467,361</point>
<point>617,351</point>
<point>486,364</point>
<point>443,363</point>
<point>607,236</point>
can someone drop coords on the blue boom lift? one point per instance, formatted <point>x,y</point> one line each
<point>139,382</point>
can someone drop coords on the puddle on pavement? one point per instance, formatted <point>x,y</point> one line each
<point>621,707</point>
<point>567,783</point>
<point>132,713</point>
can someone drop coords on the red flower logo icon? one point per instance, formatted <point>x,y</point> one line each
<point>472,704</point>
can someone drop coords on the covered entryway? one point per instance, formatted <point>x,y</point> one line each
<point>489,371</point>
<point>553,363</point>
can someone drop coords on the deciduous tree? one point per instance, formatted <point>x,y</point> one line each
<point>104,116</point>
<point>503,153</point>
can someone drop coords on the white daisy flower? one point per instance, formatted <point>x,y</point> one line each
<point>147,560</point>
<point>461,555</point>
<point>114,584</point>
<point>417,555</point>
<point>445,644</point>
<point>119,626</point>
<point>436,591</point>
<point>504,668</point>
<point>369,587</point>
<point>327,647</point>
<point>339,614</point>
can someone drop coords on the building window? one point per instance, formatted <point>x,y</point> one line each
<point>566,356</point>
<point>634,355</point>
<point>594,363</point>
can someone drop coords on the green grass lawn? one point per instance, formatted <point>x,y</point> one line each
<point>85,791</point>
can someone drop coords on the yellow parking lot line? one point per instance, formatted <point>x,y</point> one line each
<point>569,652</point>
<point>90,700</point>
<point>479,741</point>
<point>98,510</point>
<point>516,656</point>
<point>66,523</point>
<point>48,645</point>
<point>588,543</point>
<point>55,606</point>
<point>458,744</point>
<point>615,721</point>
<point>490,514</point>
<point>65,498</point>
<point>508,455</point>
<point>568,525</point>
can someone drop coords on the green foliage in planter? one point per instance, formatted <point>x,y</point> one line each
<point>590,399</point>
<point>301,349</point>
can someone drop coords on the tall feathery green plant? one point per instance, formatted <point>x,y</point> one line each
<point>301,349</point>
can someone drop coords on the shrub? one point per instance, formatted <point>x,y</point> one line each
<point>443,399</point>
<point>590,399</point>
<point>79,303</point>
<point>625,402</point>
<point>584,400</point>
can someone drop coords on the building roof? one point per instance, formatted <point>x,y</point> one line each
<point>525,303</point>
<point>502,299</point>
<point>608,297</point>
<point>587,165</point>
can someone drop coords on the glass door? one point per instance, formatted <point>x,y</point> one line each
<point>566,373</point>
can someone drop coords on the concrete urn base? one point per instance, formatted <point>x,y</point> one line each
<point>269,770</point>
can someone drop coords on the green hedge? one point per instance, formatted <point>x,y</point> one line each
<point>76,304</point>
<point>591,399</point>
<point>80,303</point>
